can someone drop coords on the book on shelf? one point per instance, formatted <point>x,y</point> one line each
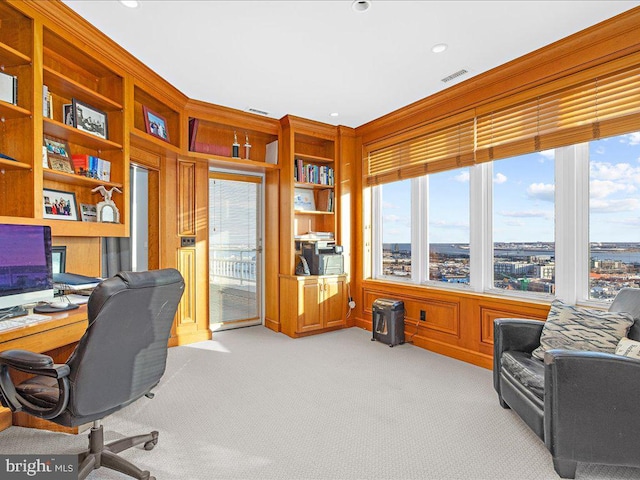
<point>91,166</point>
<point>325,200</point>
<point>271,155</point>
<point>8,88</point>
<point>193,133</point>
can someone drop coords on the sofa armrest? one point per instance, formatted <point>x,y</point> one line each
<point>513,334</point>
<point>590,407</point>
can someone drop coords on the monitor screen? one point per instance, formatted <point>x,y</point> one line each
<point>25,265</point>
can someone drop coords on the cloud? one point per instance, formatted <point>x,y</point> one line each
<point>604,188</point>
<point>446,224</point>
<point>623,172</point>
<point>542,191</point>
<point>391,218</point>
<point>462,177</point>
<point>546,155</point>
<point>631,138</point>
<point>527,214</point>
<point>614,206</point>
<point>389,205</point>
<point>514,223</point>
<point>499,178</point>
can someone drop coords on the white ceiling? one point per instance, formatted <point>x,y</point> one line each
<point>312,58</point>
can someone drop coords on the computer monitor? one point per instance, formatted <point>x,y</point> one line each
<point>25,265</point>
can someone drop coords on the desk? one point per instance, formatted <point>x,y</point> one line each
<point>55,337</point>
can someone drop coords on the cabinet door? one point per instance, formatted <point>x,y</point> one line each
<point>334,301</point>
<point>310,298</point>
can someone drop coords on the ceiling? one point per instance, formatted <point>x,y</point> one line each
<point>314,58</point>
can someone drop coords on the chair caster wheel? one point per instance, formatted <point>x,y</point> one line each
<point>152,443</point>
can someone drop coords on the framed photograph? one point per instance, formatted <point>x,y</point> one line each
<point>303,199</point>
<point>67,114</point>
<point>88,212</point>
<point>59,205</point>
<point>89,119</point>
<point>58,259</point>
<point>155,124</point>
<point>58,157</point>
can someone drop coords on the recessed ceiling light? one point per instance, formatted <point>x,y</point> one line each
<point>130,3</point>
<point>439,48</point>
<point>334,114</point>
<point>361,5</point>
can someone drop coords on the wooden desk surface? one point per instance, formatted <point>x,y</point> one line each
<point>64,328</point>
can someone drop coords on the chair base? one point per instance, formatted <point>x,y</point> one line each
<point>565,468</point>
<point>101,455</point>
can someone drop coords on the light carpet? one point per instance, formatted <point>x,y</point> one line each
<point>254,404</point>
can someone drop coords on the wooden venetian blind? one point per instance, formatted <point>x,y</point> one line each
<point>595,103</point>
<point>600,107</point>
<point>439,146</point>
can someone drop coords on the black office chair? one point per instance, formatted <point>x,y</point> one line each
<point>120,358</point>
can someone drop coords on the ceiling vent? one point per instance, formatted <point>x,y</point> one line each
<point>258,112</point>
<point>459,73</point>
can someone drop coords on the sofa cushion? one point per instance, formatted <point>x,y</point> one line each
<point>569,327</point>
<point>628,348</point>
<point>525,369</point>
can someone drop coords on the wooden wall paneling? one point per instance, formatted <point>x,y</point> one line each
<point>84,254</point>
<point>154,220</point>
<point>186,198</point>
<point>186,320</point>
<point>489,311</point>
<point>271,250</point>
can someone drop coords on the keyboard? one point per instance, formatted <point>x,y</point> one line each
<point>16,322</point>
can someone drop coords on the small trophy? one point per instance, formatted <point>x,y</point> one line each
<point>247,146</point>
<point>107,210</point>
<point>236,146</point>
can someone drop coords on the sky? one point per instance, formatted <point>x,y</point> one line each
<point>523,198</point>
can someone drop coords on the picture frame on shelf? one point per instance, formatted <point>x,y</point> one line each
<point>88,212</point>
<point>58,259</point>
<point>67,114</point>
<point>59,205</point>
<point>58,156</point>
<point>89,119</point>
<point>155,124</point>
<point>303,199</point>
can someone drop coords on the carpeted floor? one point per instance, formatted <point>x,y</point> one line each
<point>254,404</point>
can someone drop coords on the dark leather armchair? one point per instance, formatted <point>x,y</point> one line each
<point>583,405</point>
<point>120,358</point>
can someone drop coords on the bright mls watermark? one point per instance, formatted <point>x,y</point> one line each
<point>58,467</point>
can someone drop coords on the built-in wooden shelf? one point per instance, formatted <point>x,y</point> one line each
<point>314,186</point>
<point>11,165</point>
<point>312,158</point>
<point>73,135</point>
<point>9,111</point>
<point>65,86</point>
<point>152,144</point>
<point>230,162</point>
<point>74,179</point>
<point>10,57</point>
<point>312,212</point>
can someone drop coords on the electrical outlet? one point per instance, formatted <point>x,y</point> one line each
<point>423,316</point>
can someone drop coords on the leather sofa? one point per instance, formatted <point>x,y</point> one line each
<point>583,405</point>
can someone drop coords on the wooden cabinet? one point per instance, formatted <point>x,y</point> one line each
<point>312,304</point>
<point>309,205</point>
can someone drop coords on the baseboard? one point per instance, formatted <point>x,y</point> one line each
<point>453,351</point>
<point>272,324</point>
<point>187,338</point>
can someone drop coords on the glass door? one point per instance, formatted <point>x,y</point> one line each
<point>235,250</point>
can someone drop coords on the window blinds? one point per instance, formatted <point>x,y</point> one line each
<point>596,103</point>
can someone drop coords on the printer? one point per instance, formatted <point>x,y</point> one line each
<point>323,257</point>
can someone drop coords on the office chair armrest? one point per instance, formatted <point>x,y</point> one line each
<point>35,363</point>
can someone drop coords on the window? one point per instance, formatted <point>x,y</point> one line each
<point>395,229</point>
<point>614,215</point>
<point>523,223</point>
<point>448,226</point>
